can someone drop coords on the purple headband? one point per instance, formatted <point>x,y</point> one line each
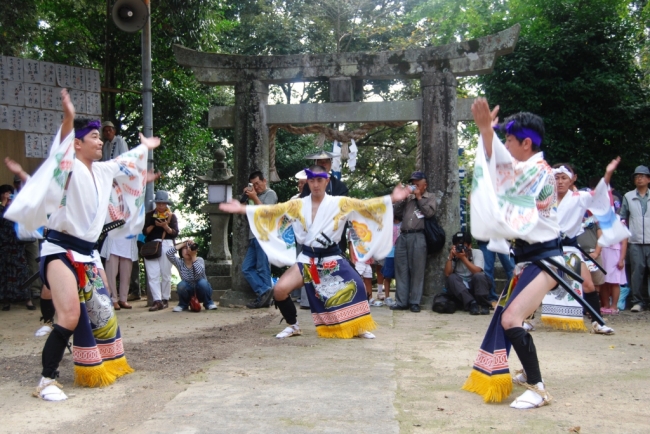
<point>92,125</point>
<point>520,133</point>
<point>312,175</point>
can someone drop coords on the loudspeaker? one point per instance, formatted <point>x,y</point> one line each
<point>130,15</point>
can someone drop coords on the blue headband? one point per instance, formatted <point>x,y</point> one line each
<point>312,175</point>
<point>92,125</point>
<point>520,133</point>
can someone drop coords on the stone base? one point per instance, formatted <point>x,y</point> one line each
<point>235,299</point>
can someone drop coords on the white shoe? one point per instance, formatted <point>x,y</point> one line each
<point>43,331</point>
<point>212,306</point>
<point>528,326</point>
<point>179,308</point>
<point>534,397</point>
<point>377,303</point>
<point>601,329</point>
<point>366,335</point>
<point>389,301</point>
<point>292,330</point>
<point>636,308</point>
<point>49,390</point>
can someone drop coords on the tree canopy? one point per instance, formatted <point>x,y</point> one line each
<point>583,65</point>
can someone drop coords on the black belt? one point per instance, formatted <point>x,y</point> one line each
<point>317,252</point>
<point>570,242</point>
<point>526,252</point>
<point>69,242</point>
<point>413,231</point>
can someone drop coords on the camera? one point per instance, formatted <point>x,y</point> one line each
<point>193,246</point>
<point>412,188</point>
<point>460,248</point>
<point>250,186</point>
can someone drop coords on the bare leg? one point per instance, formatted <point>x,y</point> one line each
<point>605,292</point>
<point>527,302</point>
<point>588,284</point>
<point>615,290</point>
<point>126,264</point>
<point>290,280</point>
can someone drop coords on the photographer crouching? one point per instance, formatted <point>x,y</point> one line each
<point>466,281</point>
<point>193,278</point>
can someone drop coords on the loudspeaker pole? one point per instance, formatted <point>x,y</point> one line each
<point>147,101</point>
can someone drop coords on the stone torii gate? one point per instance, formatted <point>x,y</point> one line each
<point>438,111</point>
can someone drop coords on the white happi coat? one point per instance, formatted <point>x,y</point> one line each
<point>114,190</point>
<point>278,227</point>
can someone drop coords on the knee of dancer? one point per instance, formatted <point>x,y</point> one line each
<point>510,321</point>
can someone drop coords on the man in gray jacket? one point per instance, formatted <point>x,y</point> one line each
<point>634,213</point>
<point>411,246</point>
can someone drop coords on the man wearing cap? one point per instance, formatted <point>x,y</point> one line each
<point>113,145</point>
<point>411,246</point>
<point>634,212</point>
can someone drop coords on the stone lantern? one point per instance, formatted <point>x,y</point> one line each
<point>219,261</point>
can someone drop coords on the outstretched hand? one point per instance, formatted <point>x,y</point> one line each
<point>15,168</point>
<point>233,207</point>
<point>68,114</point>
<point>400,192</point>
<point>66,104</point>
<point>150,142</point>
<point>485,119</point>
<point>152,176</point>
<point>611,167</point>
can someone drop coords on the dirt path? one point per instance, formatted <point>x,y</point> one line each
<point>225,372</point>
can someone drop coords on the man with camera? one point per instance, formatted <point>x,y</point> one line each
<point>255,267</point>
<point>465,278</point>
<point>411,245</point>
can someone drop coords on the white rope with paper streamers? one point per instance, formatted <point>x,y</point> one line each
<point>336,161</point>
<point>324,133</point>
<point>352,161</point>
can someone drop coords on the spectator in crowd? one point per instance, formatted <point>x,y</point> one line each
<point>14,269</point>
<point>193,278</point>
<point>634,213</point>
<point>387,270</point>
<point>120,254</point>
<point>31,247</point>
<point>121,249</point>
<point>489,258</point>
<point>160,224</point>
<point>411,246</point>
<point>466,280</point>
<point>256,267</point>
<point>302,181</point>
<point>613,261</point>
<point>113,145</point>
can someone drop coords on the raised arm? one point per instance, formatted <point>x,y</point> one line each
<point>611,167</point>
<point>68,114</point>
<point>485,120</point>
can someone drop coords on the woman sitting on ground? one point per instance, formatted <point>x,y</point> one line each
<point>193,278</point>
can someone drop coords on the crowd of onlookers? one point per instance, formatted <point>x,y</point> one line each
<point>469,271</point>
